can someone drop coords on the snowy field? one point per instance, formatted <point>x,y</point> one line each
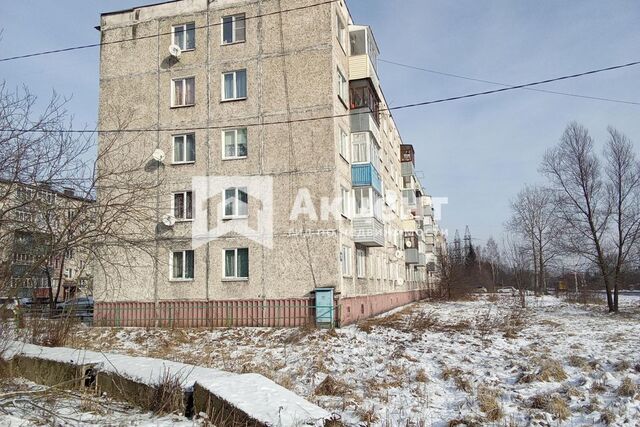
<point>479,362</point>
<point>25,404</point>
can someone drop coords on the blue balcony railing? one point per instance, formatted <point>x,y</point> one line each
<point>365,175</point>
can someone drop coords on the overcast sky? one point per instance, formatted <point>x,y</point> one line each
<point>477,152</point>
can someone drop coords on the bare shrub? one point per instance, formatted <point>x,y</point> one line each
<point>332,387</point>
<point>489,404</point>
<point>627,388</point>
<point>368,416</point>
<point>167,396</point>
<point>50,332</point>
<point>459,379</point>
<point>598,386</point>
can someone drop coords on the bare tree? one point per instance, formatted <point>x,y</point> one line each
<point>533,218</point>
<point>598,205</point>
<point>40,155</point>
<point>492,256</point>
<point>518,263</point>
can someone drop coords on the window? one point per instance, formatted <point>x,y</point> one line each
<point>236,203</point>
<point>184,35</point>
<point>342,32</point>
<point>345,259</point>
<point>344,145</point>
<point>25,216</point>
<point>361,262</point>
<point>183,92</point>
<point>344,202</point>
<point>362,198</point>
<point>235,143</point>
<point>360,147</point>
<point>182,264</point>
<point>236,263</point>
<point>183,206</point>
<point>69,253</point>
<point>343,87</point>
<point>69,273</point>
<point>184,148</point>
<point>233,29</point>
<point>234,85</point>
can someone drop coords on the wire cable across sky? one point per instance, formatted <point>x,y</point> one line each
<point>308,119</point>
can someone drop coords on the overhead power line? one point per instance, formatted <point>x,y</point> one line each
<point>92,45</point>
<point>442,73</point>
<point>309,119</point>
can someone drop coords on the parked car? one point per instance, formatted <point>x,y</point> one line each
<point>507,290</point>
<point>81,307</point>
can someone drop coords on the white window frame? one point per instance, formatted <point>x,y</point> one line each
<point>235,85</point>
<point>235,277</point>
<point>361,263</point>
<point>183,218</point>
<point>345,202</point>
<point>184,266</point>
<point>224,151</point>
<point>342,32</point>
<point>183,81</point>
<point>236,203</point>
<point>343,87</point>
<point>345,261</point>
<point>234,19</point>
<point>184,150</point>
<point>343,142</point>
<point>184,29</point>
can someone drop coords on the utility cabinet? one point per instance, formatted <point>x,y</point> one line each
<point>325,310</point>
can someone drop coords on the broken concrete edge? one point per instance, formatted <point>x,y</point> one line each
<point>240,399</point>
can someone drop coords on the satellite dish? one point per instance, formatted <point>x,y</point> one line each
<point>158,155</point>
<point>175,51</point>
<point>168,220</point>
<point>408,243</point>
<point>398,253</point>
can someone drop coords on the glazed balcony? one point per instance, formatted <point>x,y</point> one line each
<point>363,59</point>
<point>365,175</point>
<point>368,231</point>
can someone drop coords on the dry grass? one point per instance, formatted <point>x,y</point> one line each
<point>608,417</point>
<point>368,416</point>
<point>489,404</point>
<point>555,404</point>
<point>50,332</point>
<point>421,376</point>
<point>580,362</point>
<point>622,365</point>
<point>598,386</point>
<point>332,387</point>
<point>548,370</point>
<point>459,378</point>
<point>627,388</point>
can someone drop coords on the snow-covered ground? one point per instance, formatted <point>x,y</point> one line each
<point>433,363</point>
<point>25,404</point>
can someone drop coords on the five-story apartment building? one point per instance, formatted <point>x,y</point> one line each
<point>258,117</point>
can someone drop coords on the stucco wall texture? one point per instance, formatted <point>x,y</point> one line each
<point>291,60</point>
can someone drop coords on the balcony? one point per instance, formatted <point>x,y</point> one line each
<point>407,169</point>
<point>365,175</point>
<point>364,54</point>
<point>368,231</point>
<point>411,256</point>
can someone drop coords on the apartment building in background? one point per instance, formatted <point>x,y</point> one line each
<point>285,92</point>
<point>31,217</point>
